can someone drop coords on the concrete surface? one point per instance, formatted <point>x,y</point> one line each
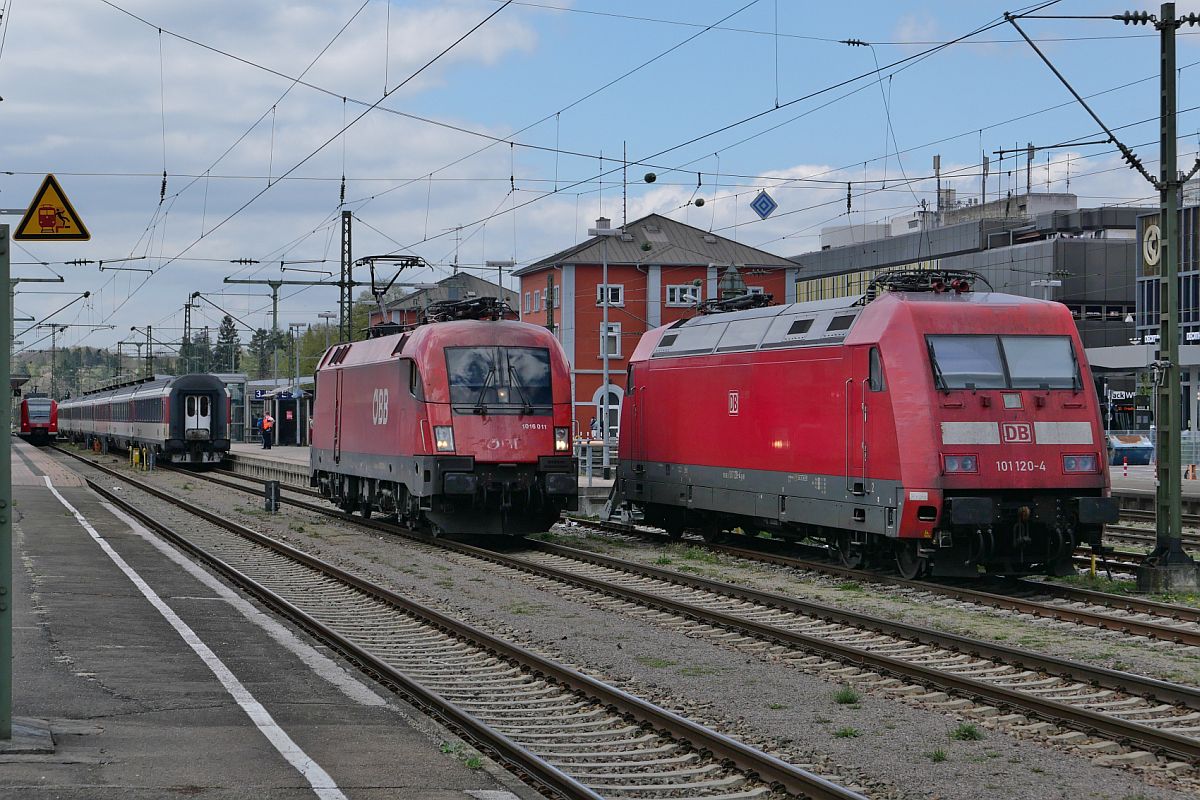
<point>136,713</point>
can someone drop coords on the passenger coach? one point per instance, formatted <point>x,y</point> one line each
<point>183,420</point>
<point>948,429</point>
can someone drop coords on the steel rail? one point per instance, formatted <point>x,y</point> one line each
<point>971,595</point>
<point>766,767</point>
<point>1181,747</point>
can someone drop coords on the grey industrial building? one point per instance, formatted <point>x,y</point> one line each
<point>1083,258</point>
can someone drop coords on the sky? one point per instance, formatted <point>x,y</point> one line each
<point>508,143</point>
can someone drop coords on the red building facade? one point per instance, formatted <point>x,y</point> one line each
<point>658,269</point>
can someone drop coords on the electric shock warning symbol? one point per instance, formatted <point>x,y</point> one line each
<point>51,217</point>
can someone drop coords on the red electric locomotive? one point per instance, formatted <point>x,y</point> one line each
<point>460,425</point>
<point>39,419</point>
<point>948,429</point>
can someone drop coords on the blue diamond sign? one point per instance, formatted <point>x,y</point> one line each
<point>764,205</point>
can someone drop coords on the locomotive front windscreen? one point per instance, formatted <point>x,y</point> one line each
<point>1003,362</point>
<point>500,378</point>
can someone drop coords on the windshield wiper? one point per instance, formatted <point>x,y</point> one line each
<point>938,379</point>
<point>526,406</point>
<point>480,405</point>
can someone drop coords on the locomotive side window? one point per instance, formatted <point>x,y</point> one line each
<point>840,323</point>
<point>961,360</point>
<point>1035,361</point>
<point>876,379</point>
<point>799,327</point>
<point>415,387</point>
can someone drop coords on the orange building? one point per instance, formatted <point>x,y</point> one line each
<point>658,270</point>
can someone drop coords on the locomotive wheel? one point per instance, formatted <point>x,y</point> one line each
<point>909,563</point>
<point>850,556</point>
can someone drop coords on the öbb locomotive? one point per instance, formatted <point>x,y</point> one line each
<point>38,419</point>
<point>182,420</point>
<point>951,430</point>
<point>458,426</point>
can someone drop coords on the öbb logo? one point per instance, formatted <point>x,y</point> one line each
<point>1016,432</point>
<point>379,407</point>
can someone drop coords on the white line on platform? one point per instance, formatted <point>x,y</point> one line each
<point>320,780</point>
<point>319,663</point>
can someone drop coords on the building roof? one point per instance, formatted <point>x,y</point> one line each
<point>670,243</point>
<point>458,286</point>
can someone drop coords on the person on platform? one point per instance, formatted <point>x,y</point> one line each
<point>268,430</point>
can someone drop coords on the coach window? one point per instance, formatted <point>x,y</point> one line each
<point>876,382</point>
<point>191,406</point>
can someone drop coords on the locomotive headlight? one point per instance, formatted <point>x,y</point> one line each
<point>443,438</point>
<point>562,440</point>
<point>1077,464</point>
<point>960,464</point>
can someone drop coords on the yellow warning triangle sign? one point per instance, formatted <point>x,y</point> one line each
<point>50,217</point>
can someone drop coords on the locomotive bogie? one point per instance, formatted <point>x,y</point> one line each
<point>943,433</point>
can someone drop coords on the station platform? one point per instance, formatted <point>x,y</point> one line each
<point>155,679</point>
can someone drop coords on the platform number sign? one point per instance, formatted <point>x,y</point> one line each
<point>734,402</point>
<point>379,407</point>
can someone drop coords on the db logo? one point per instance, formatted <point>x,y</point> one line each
<point>379,407</point>
<point>733,404</point>
<point>1016,432</point>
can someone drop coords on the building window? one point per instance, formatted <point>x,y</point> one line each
<point>612,340</point>
<point>684,294</point>
<point>537,301</point>
<point>755,290</point>
<point>616,294</point>
<point>557,295</point>
<point>528,308</point>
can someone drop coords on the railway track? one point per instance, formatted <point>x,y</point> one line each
<point>1144,536</point>
<point>1143,515</point>
<point>1131,615</point>
<point>1155,717</point>
<point>571,734</point>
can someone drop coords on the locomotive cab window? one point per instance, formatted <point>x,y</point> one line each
<point>1040,361</point>
<point>875,381</point>
<point>500,379</point>
<point>961,362</point>
<point>1003,362</point>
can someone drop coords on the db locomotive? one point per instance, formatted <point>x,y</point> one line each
<point>460,425</point>
<point>951,430</point>
<point>182,420</point>
<point>38,419</point>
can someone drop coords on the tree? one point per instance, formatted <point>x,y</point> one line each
<point>260,353</point>
<point>228,352</point>
<point>201,353</point>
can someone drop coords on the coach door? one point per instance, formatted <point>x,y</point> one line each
<point>337,416</point>
<point>197,417</point>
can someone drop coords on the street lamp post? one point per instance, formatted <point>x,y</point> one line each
<point>604,231</point>
<point>327,315</point>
